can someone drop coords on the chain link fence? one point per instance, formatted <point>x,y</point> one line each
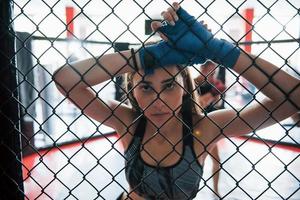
<point>37,37</point>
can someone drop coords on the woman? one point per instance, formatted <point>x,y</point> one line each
<point>165,137</point>
<point>210,87</point>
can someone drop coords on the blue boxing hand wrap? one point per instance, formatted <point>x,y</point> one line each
<point>189,42</point>
<point>160,55</point>
<point>192,37</point>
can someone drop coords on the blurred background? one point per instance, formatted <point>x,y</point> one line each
<point>51,33</point>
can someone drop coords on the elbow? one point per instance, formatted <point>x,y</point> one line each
<point>60,79</point>
<point>67,78</point>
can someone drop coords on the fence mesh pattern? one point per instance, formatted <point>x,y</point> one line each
<point>48,38</point>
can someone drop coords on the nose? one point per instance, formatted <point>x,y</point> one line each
<point>159,103</point>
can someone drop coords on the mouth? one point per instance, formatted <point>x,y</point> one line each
<point>160,114</point>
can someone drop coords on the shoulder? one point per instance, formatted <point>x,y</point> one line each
<point>121,116</point>
<point>208,127</point>
<point>218,124</point>
<point>202,126</point>
<point>125,121</point>
<point>205,136</point>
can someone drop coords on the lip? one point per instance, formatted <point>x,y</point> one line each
<point>160,114</point>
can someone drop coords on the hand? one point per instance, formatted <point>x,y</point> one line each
<point>161,54</point>
<point>164,53</point>
<point>186,34</point>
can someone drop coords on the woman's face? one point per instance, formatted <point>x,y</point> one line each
<point>159,94</point>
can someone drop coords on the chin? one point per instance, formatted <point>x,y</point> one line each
<point>160,119</point>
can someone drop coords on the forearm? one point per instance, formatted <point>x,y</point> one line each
<point>88,101</point>
<point>92,71</point>
<point>269,79</point>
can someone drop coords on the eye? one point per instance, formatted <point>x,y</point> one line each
<point>170,85</point>
<point>146,88</point>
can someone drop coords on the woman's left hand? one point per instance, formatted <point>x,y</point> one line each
<point>186,34</point>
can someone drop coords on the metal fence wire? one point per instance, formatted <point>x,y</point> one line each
<point>51,149</point>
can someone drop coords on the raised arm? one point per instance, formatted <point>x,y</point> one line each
<point>75,80</point>
<point>93,71</point>
<point>282,97</point>
<point>191,37</point>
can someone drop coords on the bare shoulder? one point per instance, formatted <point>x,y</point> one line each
<point>213,126</point>
<point>204,129</point>
<point>207,132</point>
<point>209,128</point>
<point>123,120</point>
<point>121,114</point>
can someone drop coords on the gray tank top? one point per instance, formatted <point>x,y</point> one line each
<point>179,181</point>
